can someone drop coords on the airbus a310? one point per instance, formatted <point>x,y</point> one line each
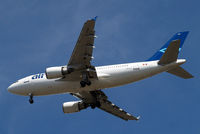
<point>85,81</point>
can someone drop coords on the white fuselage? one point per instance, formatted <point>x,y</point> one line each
<point>108,76</point>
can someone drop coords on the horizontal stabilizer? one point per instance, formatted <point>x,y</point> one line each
<point>180,72</point>
<point>171,53</point>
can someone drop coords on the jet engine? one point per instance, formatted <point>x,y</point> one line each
<point>73,106</point>
<point>57,72</point>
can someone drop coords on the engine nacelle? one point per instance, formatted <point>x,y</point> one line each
<point>73,106</point>
<point>57,72</point>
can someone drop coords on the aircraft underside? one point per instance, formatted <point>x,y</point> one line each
<point>85,81</point>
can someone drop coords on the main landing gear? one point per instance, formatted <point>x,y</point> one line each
<point>31,98</point>
<point>85,80</point>
<point>97,104</point>
<point>84,83</point>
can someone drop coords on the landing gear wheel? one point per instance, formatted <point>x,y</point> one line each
<point>93,106</point>
<point>85,80</point>
<point>31,99</point>
<point>88,83</point>
<point>98,104</point>
<point>83,84</point>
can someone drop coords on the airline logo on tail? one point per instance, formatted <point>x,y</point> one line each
<point>178,36</point>
<point>164,49</point>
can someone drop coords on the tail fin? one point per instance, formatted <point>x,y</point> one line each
<point>180,72</point>
<point>180,36</point>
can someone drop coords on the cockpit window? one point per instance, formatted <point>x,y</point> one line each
<point>26,81</point>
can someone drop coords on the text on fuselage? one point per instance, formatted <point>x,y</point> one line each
<point>38,76</point>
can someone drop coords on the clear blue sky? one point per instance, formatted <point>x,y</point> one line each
<point>37,34</point>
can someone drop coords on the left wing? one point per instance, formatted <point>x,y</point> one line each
<point>99,99</point>
<point>111,108</point>
<point>82,53</point>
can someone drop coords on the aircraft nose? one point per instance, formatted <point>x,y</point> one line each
<point>11,88</point>
<point>18,89</point>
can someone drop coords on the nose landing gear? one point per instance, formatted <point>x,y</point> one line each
<point>31,98</point>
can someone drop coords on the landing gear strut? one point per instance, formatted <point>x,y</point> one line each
<point>31,98</point>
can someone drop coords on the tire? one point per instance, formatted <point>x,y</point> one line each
<point>98,104</point>
<point>93,106</point>
<point>83,84</point>
<point>88,83</point>
<point>31,101</point>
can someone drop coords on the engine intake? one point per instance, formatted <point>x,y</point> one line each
<point>57,72</point>
<point>73,106</point>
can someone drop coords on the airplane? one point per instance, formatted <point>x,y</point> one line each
<point>85,81</point>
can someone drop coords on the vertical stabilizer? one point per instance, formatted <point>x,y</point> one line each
<point>178,36</point>
<point>171,53</point>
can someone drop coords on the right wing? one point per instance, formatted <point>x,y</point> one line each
<point>101,101</point>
